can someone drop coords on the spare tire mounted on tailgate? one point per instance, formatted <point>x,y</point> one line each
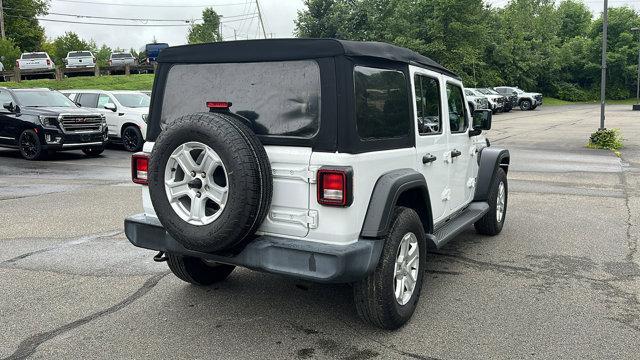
<point>210,181</point>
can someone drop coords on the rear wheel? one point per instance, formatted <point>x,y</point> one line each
<point>132,138</point>
<point>197,271</point>
<point>388,297</point>
<point>30,146</point>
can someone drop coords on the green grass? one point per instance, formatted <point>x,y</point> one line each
<point>113,82</point>
<point>548,101</point>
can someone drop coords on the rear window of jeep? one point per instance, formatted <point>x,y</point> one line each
<point>279,98</point>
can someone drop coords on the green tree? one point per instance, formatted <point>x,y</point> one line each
<point>21,22</point>
<point>575,19</point>
<point>9,53</point>
<point>102,55</point>
<point>70,41</point>
<point>208,31</point>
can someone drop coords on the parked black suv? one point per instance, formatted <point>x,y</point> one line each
<point>42,121</point>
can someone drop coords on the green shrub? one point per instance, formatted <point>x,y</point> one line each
<point>570,92</point>
<point>609,139</point>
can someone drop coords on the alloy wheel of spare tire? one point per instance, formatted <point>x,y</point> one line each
<point>210,181</point>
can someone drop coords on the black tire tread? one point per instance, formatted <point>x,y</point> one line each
<point>488,224</point>
<point>371,302</point>
<point>195,271</point>
<point>253,178</point>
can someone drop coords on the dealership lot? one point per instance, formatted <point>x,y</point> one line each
<point>562,279</point>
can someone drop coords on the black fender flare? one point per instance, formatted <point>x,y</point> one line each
<point>386,192</point>
<point>489,160</point>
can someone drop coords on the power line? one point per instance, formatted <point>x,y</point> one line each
<point>148,5</point>
<point>95,23</point>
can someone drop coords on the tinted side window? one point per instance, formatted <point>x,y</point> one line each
<point>88,100</point>
<point>5,97</point>
<point>382,103</point>
<point>457,111</point>
<point>428,105</point>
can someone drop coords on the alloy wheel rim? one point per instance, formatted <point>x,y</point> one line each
<point>28,145</point>
<point>130,139</point>
<point>405,273</point>
<point>500,201</point>
<point>196,183</point>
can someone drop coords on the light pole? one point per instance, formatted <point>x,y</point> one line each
<point>603,81</point>
<point>637,105</point>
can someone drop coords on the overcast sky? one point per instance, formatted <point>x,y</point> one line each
<point>278,17</point>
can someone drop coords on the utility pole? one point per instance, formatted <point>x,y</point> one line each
<point>637,105</point>
<point>264,32</point>
<point>603,81</point>
<point>1,20</point>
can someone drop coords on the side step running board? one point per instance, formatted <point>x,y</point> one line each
<point>453,227</point>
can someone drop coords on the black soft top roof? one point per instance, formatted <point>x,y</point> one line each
<point>293,49</point>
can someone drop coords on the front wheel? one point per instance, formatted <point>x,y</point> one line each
<point>491,223</point>
<point>525,105</point>
<point>132,138</point>
<point>30,146</point>
<point>388,297</point>
<point>196,271</point>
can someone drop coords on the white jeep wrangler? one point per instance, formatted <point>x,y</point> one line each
<point>325,160</point>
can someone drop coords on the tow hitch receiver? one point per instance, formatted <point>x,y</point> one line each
<point>160,257</point>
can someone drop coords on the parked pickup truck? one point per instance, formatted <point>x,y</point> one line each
<point>35,61</point>
<point>121,59</point>
<point>80,59</point>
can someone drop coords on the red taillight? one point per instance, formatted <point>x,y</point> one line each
<point>48,62</point>
<point>218,105</point>
<point>139,168</point>
<point>334,186</point>
<point>18,64</point>
<point>94,60</point>
<point>110,62</point>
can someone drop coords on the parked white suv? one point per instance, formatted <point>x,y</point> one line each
<point>326,160</point>
<point>35,61</point>
<point>126,113</point>
<point>80,59</point>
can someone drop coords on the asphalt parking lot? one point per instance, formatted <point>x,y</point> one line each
<point>561,280</point>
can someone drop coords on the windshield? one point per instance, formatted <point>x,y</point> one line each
<point>121,56</point>
<point>34,56</point>
<point>138,100</point>
<point>488,92</point>
<point>43,99</point>
<point>79,54</point>
<point>519,91</point>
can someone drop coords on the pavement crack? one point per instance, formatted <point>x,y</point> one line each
<point>632,242</point>
<point>28,346</point>
<point>81,240</point>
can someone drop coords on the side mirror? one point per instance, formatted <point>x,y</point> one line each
<point>481,121</point>
<point>111,106</point>
<point>9,106</point>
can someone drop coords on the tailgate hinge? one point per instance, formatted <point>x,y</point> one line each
<point>306,174</point>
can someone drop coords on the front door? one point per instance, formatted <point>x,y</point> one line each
<point>7,120</point>
<point>431,138</point>
<point>462,152</point>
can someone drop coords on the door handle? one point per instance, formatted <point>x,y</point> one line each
<point>455,153</point>
<point>428,159</point>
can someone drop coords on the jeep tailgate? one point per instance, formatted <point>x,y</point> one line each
<point>292,178</point>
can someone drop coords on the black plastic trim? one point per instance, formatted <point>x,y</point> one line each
<point>489,160</point>
<point>384,198</point>
<point>307,260</point>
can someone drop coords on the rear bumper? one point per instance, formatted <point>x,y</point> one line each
<point>307,260</point>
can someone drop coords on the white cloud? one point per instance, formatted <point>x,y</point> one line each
<point>278,17</point>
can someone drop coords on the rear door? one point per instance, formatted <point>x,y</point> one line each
<point>431,138</point>
<point>7,120</point>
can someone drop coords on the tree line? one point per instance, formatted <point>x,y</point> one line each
<point>542,45</point>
